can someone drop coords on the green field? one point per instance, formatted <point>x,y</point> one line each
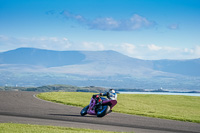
<point>183,108</point>
<point>26,128</point>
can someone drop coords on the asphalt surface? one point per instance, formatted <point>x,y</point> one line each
<point>23,107</point>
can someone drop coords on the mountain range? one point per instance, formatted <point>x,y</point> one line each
<point>102,68</point>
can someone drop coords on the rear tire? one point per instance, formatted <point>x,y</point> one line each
<point>84,111</point>
<point>104,111</point>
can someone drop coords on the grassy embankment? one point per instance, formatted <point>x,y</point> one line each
<point>26,128</point>
<point>183,108</point>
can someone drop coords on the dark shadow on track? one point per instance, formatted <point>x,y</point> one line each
<point>91,116</point>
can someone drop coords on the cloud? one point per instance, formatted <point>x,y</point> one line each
<point>154,47</point>
<point>128,48</point>
<point>155,52</point>
<point>147,52</point>
<point>197,51</point>
<point>51,43</point>
<point>104,24</point>
<point>93,46</point>
<point>173,27</point>
<point>76,17</point>
<point>135,22</point>
<point>3,38</point>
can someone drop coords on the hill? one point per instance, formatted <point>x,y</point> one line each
<point>55,88</point>
<point>37,67</point>
<point>40,57</point>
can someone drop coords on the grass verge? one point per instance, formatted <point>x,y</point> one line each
<point>183,108</point>
<point>27,128</point>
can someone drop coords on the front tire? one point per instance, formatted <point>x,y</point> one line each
<point>84,111</point>
<point>105,109</point>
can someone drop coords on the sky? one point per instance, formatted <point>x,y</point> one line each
<point>144,29</point>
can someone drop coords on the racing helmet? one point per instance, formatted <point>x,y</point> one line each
<point>112,91</point>
<point>112,94</point>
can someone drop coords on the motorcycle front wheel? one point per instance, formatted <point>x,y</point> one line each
<point>105,109</point>
<point>84,111</point>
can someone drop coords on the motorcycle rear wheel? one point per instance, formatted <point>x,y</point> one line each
<point>84,111</point>
<point>105,109</point>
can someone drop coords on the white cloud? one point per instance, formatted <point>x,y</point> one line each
<point>197,51</point>
<point>128,48</point>
<point>51,43</point>
<point>154,52</point>
<point>3,38</point>
<point>171,49</point>
<point>137,22</point>
<point>93,46</point>
<point>154,47</point>
<point>173,26</point>
<point>104,24</point>
<point>133,23</point>
<point>69,15</point>
<point>108,23</point>
<point>148,52</point>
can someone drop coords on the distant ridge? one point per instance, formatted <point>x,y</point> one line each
<point>102,59</point>
<point>41,57</point>
<point>32,66</point>
<point>190,67</point>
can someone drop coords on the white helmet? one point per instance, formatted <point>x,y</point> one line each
<point>112,91</point>
<point>112,94</point>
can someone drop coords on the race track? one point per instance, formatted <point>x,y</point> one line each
<point>23,107</point>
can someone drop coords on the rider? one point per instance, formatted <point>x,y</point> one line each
<point>110,94</point>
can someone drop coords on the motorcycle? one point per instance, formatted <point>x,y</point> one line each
<point>99,106</point>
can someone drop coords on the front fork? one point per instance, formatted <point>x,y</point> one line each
<point>99,105</point>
